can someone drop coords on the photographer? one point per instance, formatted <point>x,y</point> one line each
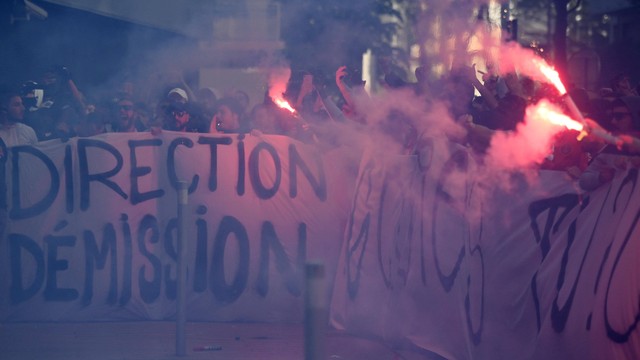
<point>60,89</point>
<point>55,105</point>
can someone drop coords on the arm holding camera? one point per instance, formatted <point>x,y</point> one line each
<point>66,78</point>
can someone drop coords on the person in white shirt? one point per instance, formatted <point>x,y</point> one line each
<point>12,131</point>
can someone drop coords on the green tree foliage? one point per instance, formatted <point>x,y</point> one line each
<point>323,35</point>
<point>559,22</point>
<point>455,21</point>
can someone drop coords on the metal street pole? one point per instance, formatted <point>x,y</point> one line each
<point>181,303</point>
<point>315,312</point>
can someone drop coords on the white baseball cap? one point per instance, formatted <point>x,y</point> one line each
<point>179,92</point>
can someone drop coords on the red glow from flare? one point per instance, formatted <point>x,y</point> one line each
<point>551,74</point>
<point>545,111</point>
<point>283,104</point>
<point>278,79</point>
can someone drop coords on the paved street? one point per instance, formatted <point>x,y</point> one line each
<point>156,341</point>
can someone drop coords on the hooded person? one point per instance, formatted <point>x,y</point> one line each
<point>625,114</point>
<point>625,119</point>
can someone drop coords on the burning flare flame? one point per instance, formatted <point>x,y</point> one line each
<point>283,104</point>
<point>278,79</point>
<point>544,110</point>
<point>550,74</point>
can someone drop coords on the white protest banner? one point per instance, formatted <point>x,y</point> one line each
<point>431,256</point>
<point>437,260</point>
<point>92,226</point>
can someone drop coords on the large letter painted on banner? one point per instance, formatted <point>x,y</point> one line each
<point>92,230</point>
<point>461,268</point>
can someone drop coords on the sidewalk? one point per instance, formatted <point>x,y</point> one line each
<point>156,341</point>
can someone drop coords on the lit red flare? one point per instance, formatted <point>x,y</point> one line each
<point>553,77</point>
<point>278,79</point>
<point>544,110</point>
<point>283,104</point>
<point>550,74</point>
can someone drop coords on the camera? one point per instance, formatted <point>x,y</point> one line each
<point>32,95</point>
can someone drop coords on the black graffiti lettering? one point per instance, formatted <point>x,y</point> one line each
<point>614,334</point>
<point>383,193</point>
<point>394,268</point>
<point>630,180</point>
<point>302,245</point>
<point>43,267</point>
<point>318,185</point>
<point>19,292</point>
<point>200,270</point>
<point>605,256</point>
<point>86,178</point>
<point>363,236</point>
<point>621,336</point>
<point>125,295</point>
<point>459,161</point>
<point>476,335</point>
<point>96,258</point>
<point>475,279</point>
<point>139,171</point>
<point>254,171</point>
<point>171,164</point>
<point>171,248</point>
<point>213,143</point>
<point>3,178</point>
<point>223,292</point>
<point>149,289</point>
<point>536,300</point>
<point>565,201</point>
<point>292,277</point>
<point>241,167</point>
<point>423,257</point>
<point>107,250</point>
<point>560,314</point>
<point>360,243</point>
<point>51,291</point>
<point>17,211</point>
<point>68,179</point>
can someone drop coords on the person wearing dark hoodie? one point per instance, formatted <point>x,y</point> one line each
<point>625,118</point>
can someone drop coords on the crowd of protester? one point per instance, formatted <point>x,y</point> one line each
<point>54,108</point>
